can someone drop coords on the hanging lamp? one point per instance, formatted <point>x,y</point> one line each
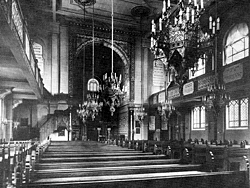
<point>92,106</point>
<point>112,92</point>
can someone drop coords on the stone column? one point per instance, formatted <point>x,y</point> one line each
<point>55,59</point>
<point>64,67</point>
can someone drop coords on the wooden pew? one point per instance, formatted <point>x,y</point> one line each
<point>235,157</point>
<point>17,161</point>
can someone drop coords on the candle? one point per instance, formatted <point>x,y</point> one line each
<point>160,24</point>
<point>164,6</point>
<point>195,2</point>
<point>192,16</point>
<point>187,13</point>
<point>218,23</point>
<point>213,27</point>
<point>168,3</point>
<point>202,4</point>
<point>210,22</point>
<point>153,27</point>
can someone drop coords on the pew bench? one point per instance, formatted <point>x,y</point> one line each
<point>235,158</point>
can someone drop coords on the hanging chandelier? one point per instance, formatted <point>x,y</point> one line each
<point>93,105</point>
<point>113,93</point>
<point>140,113</point>
<point>216,98</point>
<point>179,30</point>
<point>166,109</point>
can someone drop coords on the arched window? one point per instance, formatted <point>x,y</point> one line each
<point>198,118</point>
<point>38,50</point>
<point>237,44</point>
<point>93,85</point>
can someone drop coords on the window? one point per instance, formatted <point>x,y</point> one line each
<point>93,85</point>
<point>237,114</point>
<point>38,51</point>
<point>237,44</point>
<point>198,118</point>
<point>200,69</point>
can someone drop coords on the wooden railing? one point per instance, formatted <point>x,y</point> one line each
<point>17,23</point>
<point>17,161</point>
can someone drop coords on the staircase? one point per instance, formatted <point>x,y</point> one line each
<point>93,164</point>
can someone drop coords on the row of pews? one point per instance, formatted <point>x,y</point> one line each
<point>213,157</point>
<point>17,161</point>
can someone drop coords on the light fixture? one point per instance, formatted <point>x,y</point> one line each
<point>93,105</point>
<point>179,30</point>
<point>166,109</point>
<point>216,98</point>
<point>140,113</point>
<point>112,91</point>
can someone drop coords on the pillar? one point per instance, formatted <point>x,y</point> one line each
<point>64,68</point>
<point>55,59</point>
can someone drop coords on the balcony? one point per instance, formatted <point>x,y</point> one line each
<point>19,70</point>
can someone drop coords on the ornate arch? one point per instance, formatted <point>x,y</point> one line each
<point>117,47</point>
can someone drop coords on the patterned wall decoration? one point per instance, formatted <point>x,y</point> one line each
<point>72,43</point>
<point>132,73</point>
<point>123,124</point>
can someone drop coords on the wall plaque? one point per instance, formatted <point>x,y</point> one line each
<point>188,88</point>
<point>204,82</point>
<point>173,93</point>
<point>233,73</point>
<point>158,73</point>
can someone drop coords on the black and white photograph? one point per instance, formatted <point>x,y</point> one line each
<point>124,94</point>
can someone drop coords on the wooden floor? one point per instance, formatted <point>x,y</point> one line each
<point>92,164</point>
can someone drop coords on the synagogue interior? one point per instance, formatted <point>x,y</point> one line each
<point>155,93</point>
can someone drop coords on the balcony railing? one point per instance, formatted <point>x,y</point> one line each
<point>18,24</point>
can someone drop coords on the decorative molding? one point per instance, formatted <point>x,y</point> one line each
<point>4,93</point>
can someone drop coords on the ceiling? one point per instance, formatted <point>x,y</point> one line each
<point>128,15</point>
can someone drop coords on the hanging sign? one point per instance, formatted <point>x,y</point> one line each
<point>233,73</point>
<point>173,93</point>
<point>188,88</point>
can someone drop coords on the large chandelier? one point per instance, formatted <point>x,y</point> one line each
<point>179,30</point>
<point>112,91</point>
<point>93,105</point>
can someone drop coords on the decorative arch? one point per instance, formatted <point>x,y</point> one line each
<point>118,49</point>
<point>106,43</point>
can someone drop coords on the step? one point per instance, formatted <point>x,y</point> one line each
<point>184,179</point>
<point>98,158</point>
<point>41,166</point>
<point>89,154</point>
<point>115,170</point>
